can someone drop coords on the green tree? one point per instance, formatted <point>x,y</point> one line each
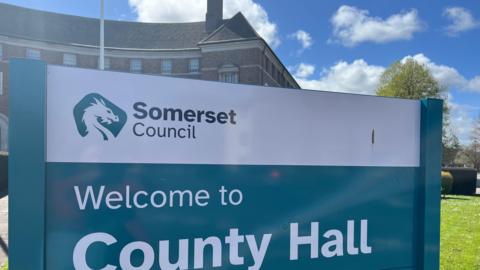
<point>450,143</point>
<point>409,79</point>
<point>451,147</point>
<point>473,150</point>
<point>412,80</point>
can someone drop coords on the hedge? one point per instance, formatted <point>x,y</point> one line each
<point>464,180</point>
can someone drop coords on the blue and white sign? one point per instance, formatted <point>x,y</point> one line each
<point>149,172</point>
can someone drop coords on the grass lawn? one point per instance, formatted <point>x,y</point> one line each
<point>460,233</point>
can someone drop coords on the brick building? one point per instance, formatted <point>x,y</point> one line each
<point>216,49</point>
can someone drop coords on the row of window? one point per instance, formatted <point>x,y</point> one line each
<point>135,64</point>
<point>70,59</point>
<point>166,65</point>
<point>276,74</point>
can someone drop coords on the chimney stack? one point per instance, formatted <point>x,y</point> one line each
<point>214,15</point>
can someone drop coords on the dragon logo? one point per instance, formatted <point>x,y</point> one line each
<point>96,116</point>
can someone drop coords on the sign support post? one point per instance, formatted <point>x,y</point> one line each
<point>430,165</point>
<point>26,166</point>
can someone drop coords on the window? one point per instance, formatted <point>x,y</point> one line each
<point>229,77</point>
<point>69,59</point>
<point>194,65</point>
<point>106,63</point>
<point>135,66</point>
<point>33,54</point>
<point>166,67</point>
<point>228,73</point>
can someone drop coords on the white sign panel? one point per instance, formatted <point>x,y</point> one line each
<point>153,119</point>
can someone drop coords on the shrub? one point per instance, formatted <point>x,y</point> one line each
<point>447,183</point>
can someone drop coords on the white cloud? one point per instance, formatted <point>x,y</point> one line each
<point>194,10</point>
<point>304,38</point>
<point>357,77</point>
<point>474,84</point>
<point>304,70</point>
<point>352,26</point>
<point>447,76</point>
<point>461,20</point>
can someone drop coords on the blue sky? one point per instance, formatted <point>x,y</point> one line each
<point>340,45</point>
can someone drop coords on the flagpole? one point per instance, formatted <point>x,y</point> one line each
<point>102,34</point>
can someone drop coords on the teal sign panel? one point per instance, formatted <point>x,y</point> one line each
<point>277,199</point>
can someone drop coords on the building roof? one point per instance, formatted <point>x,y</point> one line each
<point>74,30</point>
<point>233,29</point>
